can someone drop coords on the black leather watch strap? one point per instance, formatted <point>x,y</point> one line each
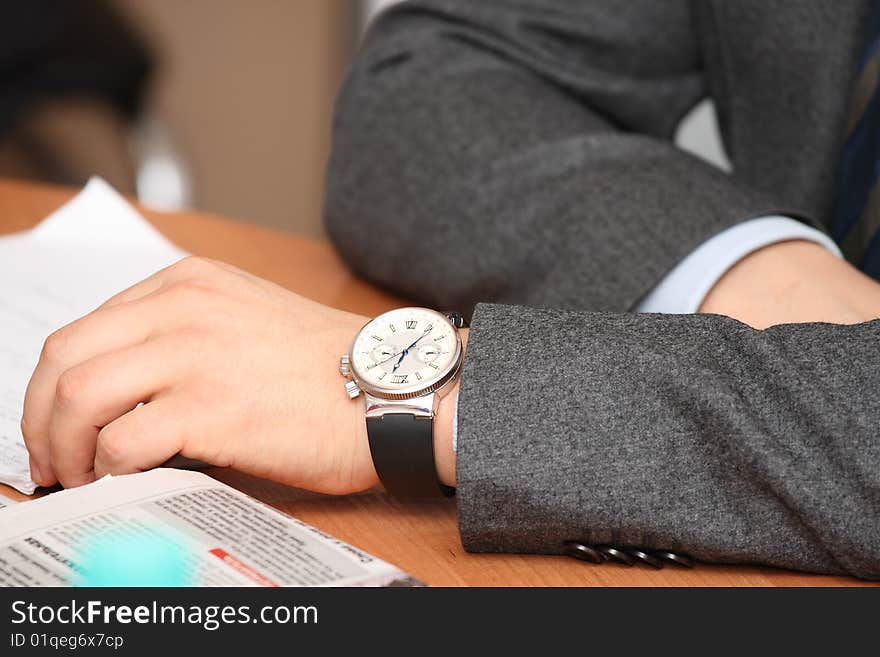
<point>402,446</point>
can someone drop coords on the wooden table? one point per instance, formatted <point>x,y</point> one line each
<point>422,538</point>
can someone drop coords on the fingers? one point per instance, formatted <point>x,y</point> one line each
<point>143,438</point>
<point>137,291</point>
<point>166,301</point>
<point>189,268</point>
<point>148,286</point>
<point>103,331</point>
<point>96,333</point>
<point>95,393</point>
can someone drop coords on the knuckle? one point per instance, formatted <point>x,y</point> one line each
<point>57,345</point>
<point>26,431</point>
<point>191,292</point>
<point>196,266</point>
<point>110,448</point>
<point>70,387</point>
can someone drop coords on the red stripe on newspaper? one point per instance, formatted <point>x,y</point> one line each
<point>244,569</point>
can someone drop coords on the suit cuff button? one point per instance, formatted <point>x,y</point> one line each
<point>582,552</point>
<point>645,558</point>
<point>615,554</point>
<point>676,559</point>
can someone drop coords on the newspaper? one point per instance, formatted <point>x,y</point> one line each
<point>227,538</point>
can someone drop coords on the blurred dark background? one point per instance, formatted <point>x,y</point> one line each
<point>220,105</point>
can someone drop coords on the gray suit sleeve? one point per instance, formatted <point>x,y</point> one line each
<point>520,152</point>
<point>687,432</point>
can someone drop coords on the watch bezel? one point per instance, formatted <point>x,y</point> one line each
<point>420,389</point>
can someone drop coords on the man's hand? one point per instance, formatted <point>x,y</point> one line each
<point>204,360</point>
<point>795,281</point>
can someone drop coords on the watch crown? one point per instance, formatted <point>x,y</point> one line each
<point>345,365</point>
<point>352,389</point>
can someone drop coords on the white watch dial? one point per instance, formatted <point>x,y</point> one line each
<point>404,350</point>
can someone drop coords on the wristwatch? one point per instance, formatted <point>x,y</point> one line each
<point>403,362</point>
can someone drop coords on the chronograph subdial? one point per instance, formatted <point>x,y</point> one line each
<point>383,352</point>
<point>428,353</point>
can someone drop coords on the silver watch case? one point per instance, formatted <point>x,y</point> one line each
<point>420,400</point>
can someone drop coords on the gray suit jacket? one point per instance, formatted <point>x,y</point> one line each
<point>520,153</point>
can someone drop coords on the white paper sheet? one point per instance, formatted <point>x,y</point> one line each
<point>83,253</point>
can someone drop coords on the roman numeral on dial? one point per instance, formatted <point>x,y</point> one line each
<point>411,323</point>
<point>400,378</point>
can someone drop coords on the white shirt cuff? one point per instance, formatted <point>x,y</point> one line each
<point>683,289</point>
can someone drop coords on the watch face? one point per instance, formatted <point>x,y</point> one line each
<point>405,351</point>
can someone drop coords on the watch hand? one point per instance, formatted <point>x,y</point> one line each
<point>406,351</point>
<point>402,354</point>
<point>395,355</point>
<point>415,343</point>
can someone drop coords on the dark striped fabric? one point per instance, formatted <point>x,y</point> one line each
<point>856,224</point>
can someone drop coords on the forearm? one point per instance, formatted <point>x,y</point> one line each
<point>690,432</point>
<point>792,281</point>
<point>486,174</point>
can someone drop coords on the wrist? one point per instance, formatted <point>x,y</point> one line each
<point>349,426</point>
<point>444,417</point>
<point>794,281</point>
<point>354,426</point>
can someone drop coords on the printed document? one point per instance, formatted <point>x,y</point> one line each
<point>225,537</point>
